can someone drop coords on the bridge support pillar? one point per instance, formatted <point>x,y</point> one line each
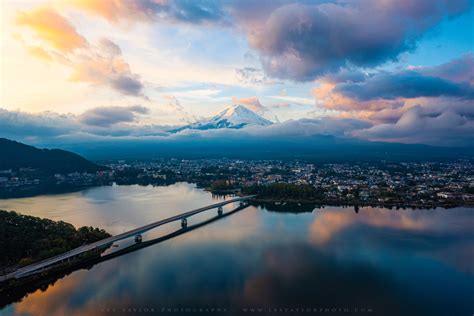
<point>220,210</point>
<point>138,238</point>
<point>184,223</point>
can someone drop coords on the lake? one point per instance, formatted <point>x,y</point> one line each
<point>329,261</point>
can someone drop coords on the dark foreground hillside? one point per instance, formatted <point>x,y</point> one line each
<point>15,155</point>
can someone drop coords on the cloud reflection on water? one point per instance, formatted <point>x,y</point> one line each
<point>378,258</point>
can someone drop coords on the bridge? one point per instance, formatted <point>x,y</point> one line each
<point>104,243</point>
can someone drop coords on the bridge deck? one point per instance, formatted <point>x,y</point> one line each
<point>27,270</point>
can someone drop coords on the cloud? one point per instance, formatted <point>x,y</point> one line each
<point>406,84</point>
<point>94,124</point>
<point>346,75</point>
<point>253,76</point>
<point>186,11</point>
<point>52,28</point>
<point>195,11</point>
<point>208,94</point>
<point>389,115</point>
<point>304,41</point>
<point>384,96</point>
<point>38,52</point>
<point>457,70</point>
<point>440,124</point>
<point>328,97</point>
<point>124,122</point>
<point>173,103</point>
<point>310,127</point>
<point>104,65</point>
<point>109,115</point>
<point>253,103</point>
<point>299,41</point>
<point>127,84</point>
<point>287,101</point>
<point>101,64</point>
<point>26,125</point>
<point>428,126</point>
<point>430,105</point>
<point>115,10</point>
<point>302,128</point>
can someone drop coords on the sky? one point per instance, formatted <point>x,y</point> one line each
<point>379,70</point>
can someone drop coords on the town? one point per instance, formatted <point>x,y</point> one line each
<point>414,184</point>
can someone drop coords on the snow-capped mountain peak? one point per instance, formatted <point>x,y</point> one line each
<point>235,116</point>
<point>240,115</point>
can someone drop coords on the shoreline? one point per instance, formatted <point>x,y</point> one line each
<point>360,204</point>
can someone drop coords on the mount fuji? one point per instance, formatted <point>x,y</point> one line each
<point>236,116</point>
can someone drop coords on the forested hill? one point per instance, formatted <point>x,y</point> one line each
<point>15,155</point>
<point>26,239</point>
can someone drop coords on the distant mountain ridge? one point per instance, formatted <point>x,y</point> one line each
<point>315,148</point>
<point>15,155</point>
<point>236,117</point>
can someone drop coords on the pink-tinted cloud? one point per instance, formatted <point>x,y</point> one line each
<point>115,10</point>
<point>101,64</point>
<point>328,97</point>
<point>431,105</point>
<point>253,103</point>
<point>105,65</point>
<point>52,28</point>
<point>385,96</point>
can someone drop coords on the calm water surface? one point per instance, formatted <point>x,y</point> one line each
<point>406,262</point>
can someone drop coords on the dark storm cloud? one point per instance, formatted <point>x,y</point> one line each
<point>407,84</point>
<point>110,115</point>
